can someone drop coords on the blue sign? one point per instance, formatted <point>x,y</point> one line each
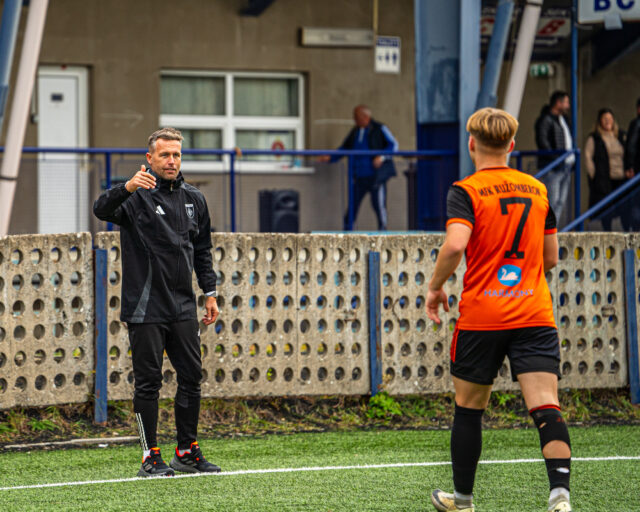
<point>509,275</point>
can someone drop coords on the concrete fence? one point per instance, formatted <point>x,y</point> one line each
<point>300,315</point>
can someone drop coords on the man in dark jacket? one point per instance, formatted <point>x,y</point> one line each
<point>553,133</point>
<point>370,173</point>
<point>165,233</point>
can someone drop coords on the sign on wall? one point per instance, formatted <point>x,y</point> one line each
<point>597,11</point>
<point>387,55</point>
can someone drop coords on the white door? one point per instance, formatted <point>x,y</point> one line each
<point>63,178</point>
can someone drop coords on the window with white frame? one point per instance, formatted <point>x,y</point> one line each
<point>216,110</point>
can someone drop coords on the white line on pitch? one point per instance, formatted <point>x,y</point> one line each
<point>303,469</point>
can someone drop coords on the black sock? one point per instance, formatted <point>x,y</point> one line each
<point>466,446</point>
<point>187,410</point>
<point>559,471</point>
<point>146,412</point>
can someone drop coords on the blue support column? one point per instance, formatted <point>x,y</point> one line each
<point>447,75</point>
<point>574,109</point>
<point>350,205</point>
<point>375,341</point>
<point>107,180</point>
<point>8,34</point>
<point>633,350</point>
<point>100,336</point>
<point>232,189</point>
<point>495,55</point>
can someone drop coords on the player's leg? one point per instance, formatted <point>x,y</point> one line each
<point>183,349</point>
<point>535,360</point>
<point>476,357</point>
<point>360,189</point>
<point>378,194</point>
<point>147,346</point>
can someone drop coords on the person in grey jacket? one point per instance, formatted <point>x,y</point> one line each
<point>553,133</point>
<point>165,234</point>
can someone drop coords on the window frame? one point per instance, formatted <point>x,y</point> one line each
<point>229,123</point>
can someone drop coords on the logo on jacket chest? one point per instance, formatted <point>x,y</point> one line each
<point>190,210</point>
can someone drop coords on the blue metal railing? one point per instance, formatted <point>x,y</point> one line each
<point>233,156</point>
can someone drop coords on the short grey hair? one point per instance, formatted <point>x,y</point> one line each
<point>166,133</point>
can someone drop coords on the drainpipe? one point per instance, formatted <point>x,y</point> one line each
<point>20,109</point>
<point>8,35</point>
<point>522,57</point>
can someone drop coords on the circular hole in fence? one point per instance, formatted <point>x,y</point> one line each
<point>338,349</point>
<point>58,355</point>
<point>271,278</point>
<point>565,344</point>
<point>421,325</point>
<point>438,348</point>
<point>236,278</point>
<point>387,256</point>
<point>434,254</point>
<point>406,372</point>
<point>236,254</point>
<point>287,326</point>
<point>611,275</point>
<point>254,349</point>
<point>304,278</point>
<point>390,374</point>
<point>613,344</point>
<point>596,321</point>
<point>271,254</point>
<point>338,325</point>
<point>219,375</point>
<point>18,308</point>
<point>452,324</point>
<point>59,380</point>
<point>578,253</point>
<point>287,278</point>
<point>386,279</point>
<point>388,349</point>
<point>203,350</point>
<point>355,302</point>
<point>78,354</point>
<point>270,350</point>
<point>219,350</point>
<point>579,276</point>
<point>78,379</point>
<point>610,252</point>
<point>114,278</point>
<point>303,255</point>
<point>356,373</point>
<point>40,382</point>
<point>287,301</point>
<point>114,353</point>
<point>219,277</point>
<point>566,368</point>
<point>219,327</point>
<point>338,254</point>
<point>236,375</point>
<point>321,254</point>
<point>597,344</point>
<point>288,349</point>
<point>287,254</point>
<point>321,278</point>
<point>338,278</point>
<point>322,325</point>
<point>321,302</point>
<point>611,298</point>
<point>305,349</point>
<point>305,374</point>
<point>598,367</point>
<point>218,254</point>
<point>167,376</point>
<point>580,299</point>
<point>403,325</point>
<point>3,385</point>
<point>37,280</point>
<point>355,326</point>
<point>387,302</point>
<point>402,255</point>
<point>287,374</point>
<point>338,302</point>
<point>322,373</point>
<point>236,302</point>
<point>563,276</point>
<point>304,302</point>
<point>3,358</point>
<point>322,349</point>
<point>356,349</point>
<point>19,333</point>
<point>253,254</point>
<point>613,321</point>
<point>17,282</point>
<point>254,278</point>
<point>582,344</point>
<point>130,377</point>
<point>595,298</point>
<point>78,329</point>
<point>388,326</point>
<point>36,256</point>
<point>236,326</point>
<point>114,253</point>
<point>354,255</point>
<point>564,299</point>
<point>339,373</point>
<point>419,278</point>
<point>565,322</point>
<point>76,278</point>
<point>615,367</point>
<point>16,256</point>
<point>594,253</point>
<point>38,332</point>
<point>422,372</point>
<point>595,275</point>
<point>21,384</point>
<point>20,358</point>
<point>114,327</point>
<point>563,253</point>
<point>56,279</point>
<point>403,278</point>
<point>271,326</point>
<point>405,349</point>
<point>76,304</point>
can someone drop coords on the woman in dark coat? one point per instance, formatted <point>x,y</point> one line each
<point>604,159</point>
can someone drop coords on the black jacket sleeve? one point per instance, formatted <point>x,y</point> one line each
<point>108,206</point>
<point>202,261</point>
<point>632,145</point>
<point>544,138</point>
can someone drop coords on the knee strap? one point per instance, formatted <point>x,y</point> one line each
<point>550,424</point>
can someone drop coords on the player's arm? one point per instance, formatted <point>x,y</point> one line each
<point>459,227</point>
<point>550,251</point>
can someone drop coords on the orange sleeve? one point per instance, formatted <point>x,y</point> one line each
<point>460,221</point>
<point>550,231</point>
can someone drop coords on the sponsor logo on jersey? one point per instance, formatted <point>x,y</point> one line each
<point>190,210</point>
<point>509,275</point>
<point>159,210</point>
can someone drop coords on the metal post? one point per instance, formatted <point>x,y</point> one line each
<point>495,55</point>
<point>632,324</point>
<point>20,109</point>
<point>8,34</point>
<point>577,193</point>
<point>350,213</point>
<point>375,342</point>
<point>574,109</point>
<point>107,179</point>
<point>519,162</point>
<point>522,57</point>
<point>232,189</point>
<point>100,335</point>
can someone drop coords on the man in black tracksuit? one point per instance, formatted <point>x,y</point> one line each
<point>370,174</point>
<point>165,233</point>
<point>632,163</point>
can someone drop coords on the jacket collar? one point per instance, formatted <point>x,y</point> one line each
<point>163,184</point>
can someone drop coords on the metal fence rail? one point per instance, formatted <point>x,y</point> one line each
<point>296,317</point>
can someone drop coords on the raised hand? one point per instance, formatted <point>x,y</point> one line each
<point>141,179</point>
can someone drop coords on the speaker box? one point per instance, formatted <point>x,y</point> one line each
<point>279,211</point>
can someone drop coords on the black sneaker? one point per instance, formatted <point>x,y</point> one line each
<point>193,462</point>
<point>153,465</point>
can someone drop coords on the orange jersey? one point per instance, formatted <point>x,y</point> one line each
<point>504,286</point>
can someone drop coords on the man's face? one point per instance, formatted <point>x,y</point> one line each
<point>563,105</point>
<point>164,160</point>
<point>361,117</point>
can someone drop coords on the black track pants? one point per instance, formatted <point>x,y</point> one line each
<point>181,341</point>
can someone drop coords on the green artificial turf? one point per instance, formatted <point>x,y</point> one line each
<point>596,485</point>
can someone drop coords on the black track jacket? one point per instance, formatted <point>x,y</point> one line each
<point>164,233</point>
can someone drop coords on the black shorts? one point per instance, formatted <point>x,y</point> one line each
<point>476,356</point>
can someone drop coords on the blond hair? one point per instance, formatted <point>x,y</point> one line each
<point>494,129</point>
<point>167,133</point>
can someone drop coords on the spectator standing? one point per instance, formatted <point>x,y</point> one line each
<point>604,160</point>
<point>553,133</point>
<point>370,174</point>
<point>632,163</point>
